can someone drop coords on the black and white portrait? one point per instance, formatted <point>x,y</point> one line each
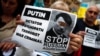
<point>62,21</point>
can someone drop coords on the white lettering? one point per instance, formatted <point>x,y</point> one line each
<point>36,13</point>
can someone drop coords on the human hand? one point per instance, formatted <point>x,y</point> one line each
<point>81,33</point>
<point>19,20</point>
<point>75,42</point>
<point>7,45</point>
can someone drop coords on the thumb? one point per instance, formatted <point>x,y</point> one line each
<point>71,35</point>
<point>19,20</point>
<point>81,33</point>
<point>18,17</point>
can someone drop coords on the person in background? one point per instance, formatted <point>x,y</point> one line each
<point>90,17</point>
<point>9,9</point>
<point>76,41</point>
<point>29,2</point>
<point>61,5</point>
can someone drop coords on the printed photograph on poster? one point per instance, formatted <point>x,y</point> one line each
<point>61,24</point>
<point>44,29</point>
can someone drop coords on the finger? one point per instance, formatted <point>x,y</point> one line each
<point>74,44</point>
<point>2,44</point>
<point>4,47</point>
<point>81,33</point>
<point>71,35</point>
<point>18,20</point>
<point>11,46</point>
<point>18,17</point>
<point>74,48</point>
<point>8,46</point>
<point>77,40</point>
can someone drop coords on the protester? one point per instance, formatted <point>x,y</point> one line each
<point>29,2</point>
<point>9,9</point>
<point>90,17</point>
<point>76,42</point>
<point>60,5</point>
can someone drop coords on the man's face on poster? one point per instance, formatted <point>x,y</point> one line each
<point>60,26</point>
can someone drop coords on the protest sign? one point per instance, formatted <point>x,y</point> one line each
<point>92,38</point>
<point>38,22</point>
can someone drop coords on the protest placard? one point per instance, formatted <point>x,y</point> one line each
<point>92,38</point>
<point>41,30</point>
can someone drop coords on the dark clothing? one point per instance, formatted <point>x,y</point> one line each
<point>2,23</point>
<point>32,2</point>
<point>80,26</point>
<point>12,54</point>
